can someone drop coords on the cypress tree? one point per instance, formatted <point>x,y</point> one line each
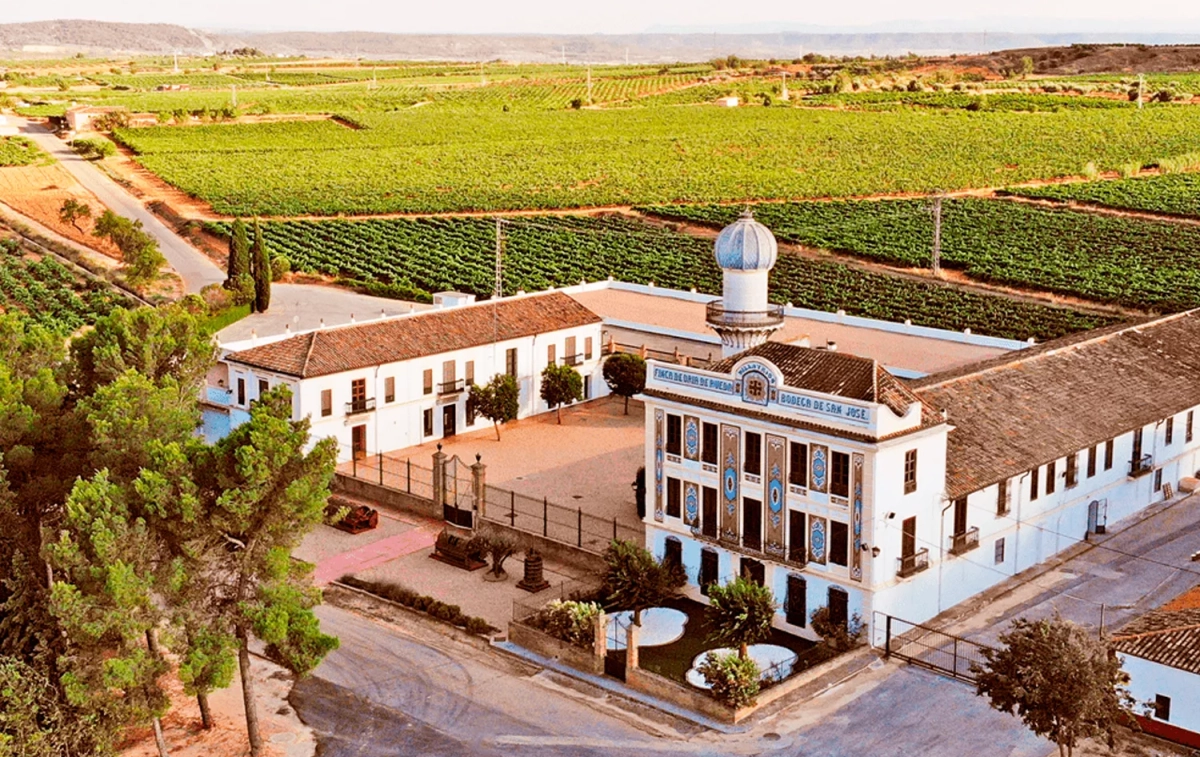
<point>260,264</point>
<point>239,252</point>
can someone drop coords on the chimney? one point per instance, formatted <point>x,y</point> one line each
<point>831,345</point>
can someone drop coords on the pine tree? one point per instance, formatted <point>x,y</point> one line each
<point>260,265</point>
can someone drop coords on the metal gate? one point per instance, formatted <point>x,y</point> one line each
<point>458,505</point>
<point>616,640</point>
<point>935,650</point>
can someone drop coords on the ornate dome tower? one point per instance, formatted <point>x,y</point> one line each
<point>746,251</point>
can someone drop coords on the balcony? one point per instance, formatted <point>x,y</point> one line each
<point>964,542</point>
<point>797,555</point>
<point>910,565</point>
<point>716,314</point>
<point>358,407</point>
<point>446,388</point>
<point>1141,466</point>
<point>573,360</point>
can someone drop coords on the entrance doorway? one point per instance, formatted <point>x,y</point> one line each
<point>449,420</point>
<point>358,441</point>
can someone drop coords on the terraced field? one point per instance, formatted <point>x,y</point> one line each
<point>1123,261</point>
<point>1174,194</point>
<point>413,258</point>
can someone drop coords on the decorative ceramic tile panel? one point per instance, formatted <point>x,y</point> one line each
<point>691,505</point>
<point>659,451</point>
<point>817,539</point>
<point>776,495</point>
<point>856,517</point>
<point>691,437</point>
<point>731,465</point>
<point>818,477</point>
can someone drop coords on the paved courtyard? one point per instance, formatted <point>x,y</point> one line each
<point>589,462</point>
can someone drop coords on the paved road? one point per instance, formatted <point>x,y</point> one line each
<point>196,270</point>
<point>1129,572</point>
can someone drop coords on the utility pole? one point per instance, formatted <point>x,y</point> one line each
<point>482,75</point>
<point>937,234</point>
<point>784,95</point>
<point>234,88</point>
<point>589,82</point>
<point>564,54</point>
<point>1141,89</point>
<point>176,61</point>
<point>498,290</point>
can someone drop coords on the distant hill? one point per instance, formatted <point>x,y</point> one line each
<point>94,37</point>
<point>101,37</point>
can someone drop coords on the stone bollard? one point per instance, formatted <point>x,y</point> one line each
<point>479,484</point>
<point>600,636</point>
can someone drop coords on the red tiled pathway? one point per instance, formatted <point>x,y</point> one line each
<point>370,555</point>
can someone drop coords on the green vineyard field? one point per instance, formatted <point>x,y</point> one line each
<point>1130,262</point>
<point>413,258</point>
<point>425,160</point>
<point>1176,194</point>
<point>49,293</point>
<point>19,151</point>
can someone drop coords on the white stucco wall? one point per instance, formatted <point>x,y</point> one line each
<point>1146,679</point>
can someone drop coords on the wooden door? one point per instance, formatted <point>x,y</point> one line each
<point>708,519</point>
<point>797,601</point>
<point>752,523</point>
<point>708,569</point>
<point>908,537</point>
<point>449,421</point>
<point>358,441</point>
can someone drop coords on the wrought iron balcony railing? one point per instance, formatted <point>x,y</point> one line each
<point>964,542</point>
<point>717,314</point>
<point>451,387</point>
<point>573,359</point>
<point>357,407</point>
<point>915,563</point>
<point>1141,466</point>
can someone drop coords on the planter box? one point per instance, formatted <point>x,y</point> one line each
<point>548,646</point>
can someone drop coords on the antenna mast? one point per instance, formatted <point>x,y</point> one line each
<point>937,234</point>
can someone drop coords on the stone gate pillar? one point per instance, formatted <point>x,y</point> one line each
<point>439,476</point>
<point>479,484</point>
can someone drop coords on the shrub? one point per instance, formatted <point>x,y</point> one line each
<point>734,680</point>
<point>280,267</point>
<point>838,636</point>
<point>478,626</point>
<point>571,621</point>
<point>93,148</point>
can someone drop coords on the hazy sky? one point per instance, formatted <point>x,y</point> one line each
<point>616,16</point>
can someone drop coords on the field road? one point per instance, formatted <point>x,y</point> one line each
<point>196,270</point>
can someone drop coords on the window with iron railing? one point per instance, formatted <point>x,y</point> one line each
<point>965,541</point>
<point>450,387</point>
<point>912,564</point>
<point>360,405</point>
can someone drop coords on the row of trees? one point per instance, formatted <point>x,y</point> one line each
<point>139,250</point>
<point>118,526</point>
<point>250,270</point>
<point>499,400</point>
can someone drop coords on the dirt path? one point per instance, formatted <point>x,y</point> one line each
<point>1104,210</point>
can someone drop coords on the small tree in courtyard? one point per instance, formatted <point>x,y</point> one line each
<point>740,614</point>
<point>561,384</point>
<point>498,545</point>
<point>1064,684</point>
<point>625,374</point>
<point>635,581</point>
<point>499,400</point>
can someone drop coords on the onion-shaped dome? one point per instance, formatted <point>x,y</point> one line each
<point>746,245</point>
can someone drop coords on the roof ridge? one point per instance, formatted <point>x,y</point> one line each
<point>1020,356</point>
<point>312,342</point>
<point>1156,632</point>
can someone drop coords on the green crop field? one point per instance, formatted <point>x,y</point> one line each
<point>1005,101</point>
<point>425,159</point>
<point>19,151</point>
<point>1130,262</point>
<point>1176,194</point>
<point>50,293</point>
<point>413,258</point>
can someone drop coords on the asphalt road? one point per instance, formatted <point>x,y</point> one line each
<point>196,270</point>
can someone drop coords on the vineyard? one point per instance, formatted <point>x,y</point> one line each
<point>425,160</point>
<point>19,151</point>
<point>1176,194</point>
<point>999,101</point>
<point>50,293</point>
<point>1123,261</point>
<point>413,258</point>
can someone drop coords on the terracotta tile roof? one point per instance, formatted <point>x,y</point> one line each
<point>1018,412</point>
<point>347,348</point>
<point>1169,635</point>
<point>836,373</point>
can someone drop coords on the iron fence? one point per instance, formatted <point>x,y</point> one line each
<point>398,473</point>
<point>929,648</point>
<point>527,607</point>
<point>566,525</point>
<point>661,355</point>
